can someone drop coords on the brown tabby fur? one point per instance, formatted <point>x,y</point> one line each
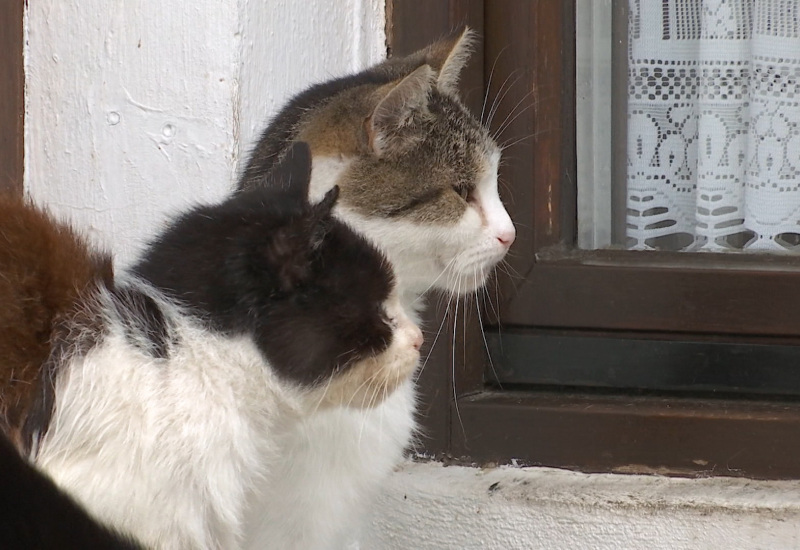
<point>44,266</point>
<point>414,146</point>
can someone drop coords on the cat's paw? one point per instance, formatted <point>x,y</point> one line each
<point>366,383</point>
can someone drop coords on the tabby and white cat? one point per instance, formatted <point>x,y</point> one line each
<point>166,390</point>
<point>418,177</point>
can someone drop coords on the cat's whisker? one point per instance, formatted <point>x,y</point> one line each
<point>504,146</point>
<point>355,392</point>
<point>509,270</point>
<point>489,82</point>
<point>486,343</point>
<point>508,191</point>
<point>501,94</point>
<point>380,394</point>
<point>513,115</point>
<point>497,299</point>
<point>436,280</point>
<point>324,394</point>
<point>436,338</point>
<point>440,299</point>
<point>364,412</point>
<point>523,225</point>
<point>453,355</point>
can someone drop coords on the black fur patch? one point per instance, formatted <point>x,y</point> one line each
<point>145,324</point>
<point>267,264</point>
<point>37,515</point>
<point>38,418</point>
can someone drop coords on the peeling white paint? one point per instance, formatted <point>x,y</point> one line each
<point>431,507</point>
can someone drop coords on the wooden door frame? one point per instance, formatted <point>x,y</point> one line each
<point>12,96</point>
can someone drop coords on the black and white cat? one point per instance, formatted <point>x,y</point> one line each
<point>417,175</point>
<point>168,391</point>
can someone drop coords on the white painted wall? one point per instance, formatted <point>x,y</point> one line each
<point>291,44</point>
<point>135,108</point>
<point>130,110</point>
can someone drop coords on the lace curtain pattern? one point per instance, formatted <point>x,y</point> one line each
<point>714,125</point>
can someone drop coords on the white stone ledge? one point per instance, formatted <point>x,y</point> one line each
<point>429,506</point>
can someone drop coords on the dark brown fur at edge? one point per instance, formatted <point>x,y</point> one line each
<point>44,267</point>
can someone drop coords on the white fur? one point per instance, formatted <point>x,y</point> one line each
<point>325,172</point>
<point>170,449</point>
<point>332,466</point>
<point>335,462</point>
<point>455,258</point>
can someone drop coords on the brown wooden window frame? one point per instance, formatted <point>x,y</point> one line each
<point>568,293</point>
<point>12,96</point>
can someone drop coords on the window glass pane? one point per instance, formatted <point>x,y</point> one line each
<point>593,116</point>
<point>712,126</point>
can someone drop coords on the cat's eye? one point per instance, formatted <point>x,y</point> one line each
<point>464,192</point>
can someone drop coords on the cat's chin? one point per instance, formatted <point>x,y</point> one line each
<point>460,283</point>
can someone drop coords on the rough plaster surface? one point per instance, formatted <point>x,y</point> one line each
<point>427,506</point>
<point>135,109</point>
<point>130,109</point>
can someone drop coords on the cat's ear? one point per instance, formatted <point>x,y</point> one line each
<point>293,172</point>
<point>407,100</point>
<point>322,212</point>
<point>449,56</point>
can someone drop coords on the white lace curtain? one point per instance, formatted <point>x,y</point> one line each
<point>714,125</point>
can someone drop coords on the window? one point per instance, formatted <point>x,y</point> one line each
<point>11,96</point>
<point>608,359</point>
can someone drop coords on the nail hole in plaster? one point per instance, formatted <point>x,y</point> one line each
<point>113,118</point>
<point>168,130</point>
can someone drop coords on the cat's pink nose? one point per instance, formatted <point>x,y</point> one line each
<point>507,236</point>
<point>416,338</point>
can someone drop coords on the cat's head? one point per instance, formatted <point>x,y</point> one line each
<point>417,172</point>
<point>322,298</point>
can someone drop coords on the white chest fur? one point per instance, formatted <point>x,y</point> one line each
<point>165,449</point>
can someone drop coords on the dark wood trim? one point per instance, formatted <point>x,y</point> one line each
<point>622,434</point>
<point>657,299</point>
<point>652,362</point>
<point>12,96</point>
